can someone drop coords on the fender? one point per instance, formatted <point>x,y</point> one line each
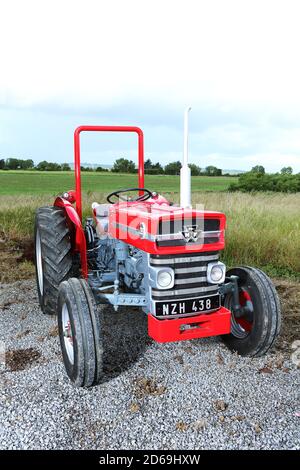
<point>79,238</point>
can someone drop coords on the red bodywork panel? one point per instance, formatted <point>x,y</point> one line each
<point>74,222</point>
<point>199,326</point>
<point>125,220</point>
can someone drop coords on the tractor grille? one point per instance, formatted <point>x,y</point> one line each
<point>175,227</point>
<point>190,275</point>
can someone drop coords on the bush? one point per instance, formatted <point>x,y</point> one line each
<point>173,168</point>
<point>99,168</point>
<point>254,181</point>
<point>48,166</point>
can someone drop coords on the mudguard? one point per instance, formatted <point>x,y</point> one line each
<point>78,239</point>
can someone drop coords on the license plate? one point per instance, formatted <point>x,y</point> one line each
<point>183,307</point>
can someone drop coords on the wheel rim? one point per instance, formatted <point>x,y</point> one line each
<point>242,326</point>
<point>39,264</point>
<point>68,334</point>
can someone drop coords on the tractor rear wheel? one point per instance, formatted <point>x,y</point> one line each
<point>253,333</point>
<point>79,332</point>
<point>53,255</point>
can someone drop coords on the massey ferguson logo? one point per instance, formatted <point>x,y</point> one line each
<point>191,233</point>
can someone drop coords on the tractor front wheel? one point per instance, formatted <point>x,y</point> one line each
<point>79,332</point>
<point>255,328</point>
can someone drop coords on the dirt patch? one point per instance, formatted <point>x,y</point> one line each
<point>25,248</point>
<point>144,387</point>
<point>220,405</point>
<point>16,260</point>
<point>289,294</point>
<point>19,359</point>
<point>8,304</point>
<point>53,332</point>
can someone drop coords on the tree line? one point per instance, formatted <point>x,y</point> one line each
<point>121,165</point>
<point>28,164</point>
<point>258,180</point>
<point>21,164</point>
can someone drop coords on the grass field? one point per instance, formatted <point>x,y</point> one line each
<point>40,182</point>
<point>263,230</point>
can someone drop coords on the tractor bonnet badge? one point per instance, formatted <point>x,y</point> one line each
<point>191,233</point>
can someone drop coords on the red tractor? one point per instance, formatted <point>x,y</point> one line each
<point>141,250</point>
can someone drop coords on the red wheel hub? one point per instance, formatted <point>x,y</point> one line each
<point>245,301</point>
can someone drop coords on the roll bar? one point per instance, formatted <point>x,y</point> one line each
<point>77,133</point>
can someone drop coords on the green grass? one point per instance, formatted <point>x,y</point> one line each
<point>263,230</point>
<point>39,182</point>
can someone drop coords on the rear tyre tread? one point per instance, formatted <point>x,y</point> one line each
<point>57,256</point>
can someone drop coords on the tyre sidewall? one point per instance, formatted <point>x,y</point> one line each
<point>40,294</point>
<point>253,342</point>
<point>75,371</point>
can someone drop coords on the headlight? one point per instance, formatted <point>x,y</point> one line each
<point>216,273</point>
<point>164,279</point>
<point>161,278</point>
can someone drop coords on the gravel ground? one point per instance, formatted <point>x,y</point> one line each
<point>189,395</point>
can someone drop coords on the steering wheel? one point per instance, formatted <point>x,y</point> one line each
<point>147,194</point>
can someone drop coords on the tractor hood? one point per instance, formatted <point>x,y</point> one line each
<point>161,228</point>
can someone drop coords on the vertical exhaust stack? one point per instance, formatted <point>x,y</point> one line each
<point>185,172</point>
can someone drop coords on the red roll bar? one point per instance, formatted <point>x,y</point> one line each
<point>105,129</point>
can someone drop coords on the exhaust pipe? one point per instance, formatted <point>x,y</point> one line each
<point>185,172</point>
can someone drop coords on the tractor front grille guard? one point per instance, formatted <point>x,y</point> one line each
<point>190,275</point>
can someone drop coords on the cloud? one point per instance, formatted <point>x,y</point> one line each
<point>69,63</point>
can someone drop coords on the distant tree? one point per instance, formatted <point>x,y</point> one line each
<point>195,169</point>
<point>148,164</point>
<point>26,164</point>
<point>157,167</point>
<point>286,170</point>
<point>258,169</point>
<point>53,167</point>
<point>173,168</point>
<point>122,165</point>
<point>212,171</point>
<point>65,167</point>
<point>42,166</point>
<point>153,168</point>
<point>2,164</point>
<point>12,163</point>
<point>86,168</point>
<point>48,166</point>
<point>99,168</point>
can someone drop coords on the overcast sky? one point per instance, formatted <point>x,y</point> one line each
<point>236,62</point>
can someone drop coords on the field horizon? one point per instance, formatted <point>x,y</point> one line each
<point>16,182</point>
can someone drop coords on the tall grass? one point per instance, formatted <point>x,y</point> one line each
<point>263,230</point>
